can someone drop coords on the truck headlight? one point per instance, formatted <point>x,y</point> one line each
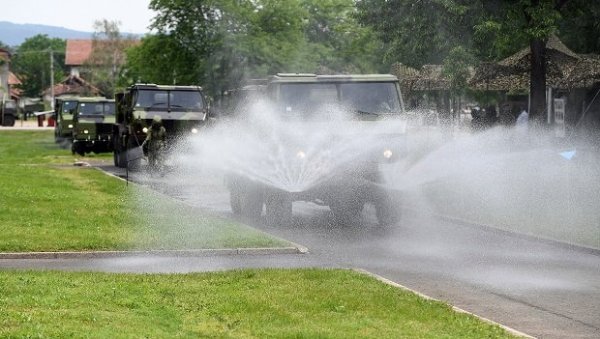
<point>70,126</point>
<point>300,155</point>
<point>387,153</point>
<point>194,130</point>
<point>85,131</point>
<point>145,129</point>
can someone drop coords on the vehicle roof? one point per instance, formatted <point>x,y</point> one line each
<point>95,99</point>
<point>308,77</point>
<point>166,87</point>
<point>76,98</point>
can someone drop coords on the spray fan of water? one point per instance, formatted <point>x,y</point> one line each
<point>288,154</point>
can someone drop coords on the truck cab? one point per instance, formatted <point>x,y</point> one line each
<point>365,122</point>
<point>183,110</point>
<point>93,120</point>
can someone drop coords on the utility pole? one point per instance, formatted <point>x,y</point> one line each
<point>52,78</point>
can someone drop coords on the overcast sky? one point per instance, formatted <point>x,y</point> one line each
<point>80,15</point>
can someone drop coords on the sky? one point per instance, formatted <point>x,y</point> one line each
<point>80,15</point>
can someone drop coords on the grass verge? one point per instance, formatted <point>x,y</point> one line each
<point>303,303</point>
<point>47,204</point>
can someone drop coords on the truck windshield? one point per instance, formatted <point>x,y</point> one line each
<point>68,106</point>
<point>97,108</point>
<point>173,100</point>
<point>363,97</point>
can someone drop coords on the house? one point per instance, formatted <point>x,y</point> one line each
<point>71,85</point>
<point>4,73</point>
<point>77,53</point>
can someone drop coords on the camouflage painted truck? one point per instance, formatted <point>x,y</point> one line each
<point>64,109</point>
<point>183,110</point>
<point>92,125</point>
<point>353,151</point>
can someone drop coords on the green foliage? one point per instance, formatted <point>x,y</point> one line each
<point>108,56</point>
<point>160,59</point>
<point>219,43</point>
<point>423,32</point>
<point>456,68</point>
<point>580,27</point>
<point>31,62</point>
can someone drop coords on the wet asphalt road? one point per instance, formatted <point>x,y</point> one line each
<point>543,289</point>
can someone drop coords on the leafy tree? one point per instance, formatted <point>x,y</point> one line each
<point>218,43</point>
<point>421,32</point>
<point>31,62</point>
<point>159,59</point>
<point>528,22</point>
<point>108,55</point>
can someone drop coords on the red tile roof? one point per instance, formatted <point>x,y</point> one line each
<point>13,79</point>
<point>78,51</point>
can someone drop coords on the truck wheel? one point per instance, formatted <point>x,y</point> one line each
<point>235,200</point>
<point>251,204</point>
<point>246,198</point>
<point>347,211</point>
<point>278,209</point>
<point>76,148</point>
<point>9,120</point>
<point>387,209</point>
<point>133,164</point>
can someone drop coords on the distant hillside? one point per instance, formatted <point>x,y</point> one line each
<point>13,34</point>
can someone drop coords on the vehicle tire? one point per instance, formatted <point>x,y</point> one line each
<point>9,121</point>
<point>76,148</point>
<point>347,211</point>
<point>133,164</point>
<point>235,200</point>
<point>251,202</point>
<point>387,209</point>
<point>278,209</point>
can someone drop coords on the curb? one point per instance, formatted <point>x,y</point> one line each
<point>153,253</point>
<point>454,308</point>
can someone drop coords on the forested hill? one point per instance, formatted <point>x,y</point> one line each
<point>13,34</point>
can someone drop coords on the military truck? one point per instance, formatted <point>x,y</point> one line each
<point>92,125</point>
<point>183,110</point>
<point>64,109</point>
<point>8,113</point>
<point>369,101</point>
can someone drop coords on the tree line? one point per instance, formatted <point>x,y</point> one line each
<point>218,43</point>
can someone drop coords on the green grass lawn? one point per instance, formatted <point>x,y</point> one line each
<point>47,204</point>
<point>238,304</point>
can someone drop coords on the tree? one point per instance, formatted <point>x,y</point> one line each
<point>108,55</point>
<point>531,22</point>
<point>31,62</point>
<point>221,42</point>
<point>159,59</point>
<point>420,32</point>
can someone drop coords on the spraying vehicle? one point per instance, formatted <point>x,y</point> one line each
<point>8,113</point>
<point>350,155</point>
<point>182,110</point>
<point>92,125</point>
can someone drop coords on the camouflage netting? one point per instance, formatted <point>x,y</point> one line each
<point>565,69</point>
